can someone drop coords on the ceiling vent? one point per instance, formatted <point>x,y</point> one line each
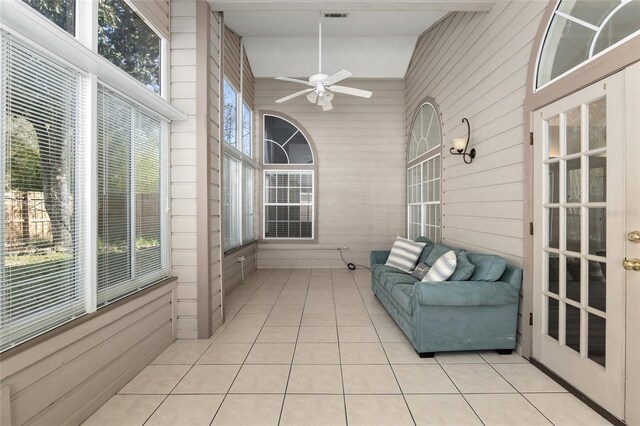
<point>336,15</point>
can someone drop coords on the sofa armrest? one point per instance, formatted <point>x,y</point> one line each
<point>465,293</point>
<point>378,257</point>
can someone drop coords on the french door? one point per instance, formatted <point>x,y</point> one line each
<point>581,240</point>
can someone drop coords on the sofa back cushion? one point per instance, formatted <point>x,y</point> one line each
<point>487,267</point>
<point>436,253</point>
<point>464,269</point>
<point>428,246</point>
<point>404,254</point>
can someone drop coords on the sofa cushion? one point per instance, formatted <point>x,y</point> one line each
<point>464,268</point>
<point>404,254</point>
<point>428,246</point>
<point>390,280</point>
<point>437,252</point>
<point>488,267</point>
<point>403,294</point>
<point>443,268</point>
<point>380,269</point>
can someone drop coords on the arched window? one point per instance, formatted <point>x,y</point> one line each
<point>582,29</point>
<point>423,174</point>
<point>289,180</point>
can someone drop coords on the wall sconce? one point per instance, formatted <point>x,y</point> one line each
<point>460,146</point>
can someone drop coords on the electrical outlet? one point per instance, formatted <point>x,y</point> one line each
<point>241,259</point>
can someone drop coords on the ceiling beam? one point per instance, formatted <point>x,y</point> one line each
<point>354,5</point>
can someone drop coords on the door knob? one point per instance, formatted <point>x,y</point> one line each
<point>631,264</point>
<point>634,236</point>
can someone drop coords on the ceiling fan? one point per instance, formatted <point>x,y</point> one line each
<point>322,84</point>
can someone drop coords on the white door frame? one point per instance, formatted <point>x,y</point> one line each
<point>605,386</point>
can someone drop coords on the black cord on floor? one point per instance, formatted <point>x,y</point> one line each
<point>351,266</point>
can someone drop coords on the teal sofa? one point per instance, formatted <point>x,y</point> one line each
<point>479,313</point>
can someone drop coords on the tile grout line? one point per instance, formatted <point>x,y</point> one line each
<point>252,345</point>
<point>295,345</point>
<point>386,356</point>
<point>335,314</point>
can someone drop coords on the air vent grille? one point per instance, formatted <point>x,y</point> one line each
<point>336,15</point>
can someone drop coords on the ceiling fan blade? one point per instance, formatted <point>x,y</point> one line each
<point>327,106</point>
<point>351,91</point>
<point>294,80</point>
<point>286,98</point>
<point>339,76</point>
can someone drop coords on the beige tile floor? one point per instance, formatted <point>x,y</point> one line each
<point>315,347</point>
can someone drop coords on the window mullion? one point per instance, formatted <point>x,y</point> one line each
<point>87,24</point>
<point>132,195</point>
<point>89,138</point>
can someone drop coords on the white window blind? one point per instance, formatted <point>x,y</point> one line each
<point>248,215</point>
<point>43,230</point>
<point>131,196</point>
<point>288,204</point>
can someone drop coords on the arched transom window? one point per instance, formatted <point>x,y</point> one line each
<point>580,30</point>
<point>423,174</point>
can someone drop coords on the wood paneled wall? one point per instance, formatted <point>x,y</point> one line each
<point>232,66</point>
<point>215,170</point>
<point>183,165</point>
<point>360,152</point>
<point>475,66</point>
<point>64,379</point>
<point>195,167</point>
<point>156,12</point>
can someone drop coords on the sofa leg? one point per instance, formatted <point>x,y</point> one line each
<point>426,354</point>
<point>504,351</point>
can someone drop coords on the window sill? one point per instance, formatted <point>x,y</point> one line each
<point>241,247</point>
<point>22,347</point>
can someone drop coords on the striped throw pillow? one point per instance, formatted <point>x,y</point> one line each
<point>404,254</point>
<point>443,268</point>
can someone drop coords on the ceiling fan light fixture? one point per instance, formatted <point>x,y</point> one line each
<point>312,97</point>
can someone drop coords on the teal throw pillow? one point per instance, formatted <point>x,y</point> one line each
<point>436,253</point>
<point>428,246</point>
<point>488,267</point>
<point>464,269</point>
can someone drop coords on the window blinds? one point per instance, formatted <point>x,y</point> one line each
<point>43,228</point>
<point>131,246</point>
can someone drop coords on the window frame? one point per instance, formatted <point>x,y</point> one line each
<point>418,161</point>
<point>286,168</point>
<point>236,152</point>
<point>547,27</point>
<point>79,52</point>
<point>312,204</point>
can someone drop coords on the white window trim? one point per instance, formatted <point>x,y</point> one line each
<point>276,165</point>
<point>22,21</point>
<point>312,205</point>
<point>591,56</point>
<point>423,204</point>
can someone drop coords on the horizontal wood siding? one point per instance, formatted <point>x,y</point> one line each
<point>361,155</point>
<point>183,165</point>
<point>232,66</point>
<point>232,269</point>
<point>156,12</point>
<point>66,378</point>
<point>475,66</point>
<point>215,205</point>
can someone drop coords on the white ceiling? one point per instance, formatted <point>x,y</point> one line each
<point>370,44</point>
<point>376,40</point>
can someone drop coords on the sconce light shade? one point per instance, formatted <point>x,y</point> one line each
<point>460,146</point>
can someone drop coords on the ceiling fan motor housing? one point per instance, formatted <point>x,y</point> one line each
<point>318,79</point>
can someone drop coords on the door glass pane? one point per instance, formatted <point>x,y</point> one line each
<point>573,181</point>
<point>598,231</point>
<point>573,231</point>
<point>598,178</point>
<point>553,307</point>
<point>554,183</point>
<point>573,131</point>
<point>572,327</point>
<point>553,273</point>
<point>597,285</point>
<point>596,343</point>
<point>554,137</point>
<point>573,278</point>
<point>598,124</point>
<point>554,228</point>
